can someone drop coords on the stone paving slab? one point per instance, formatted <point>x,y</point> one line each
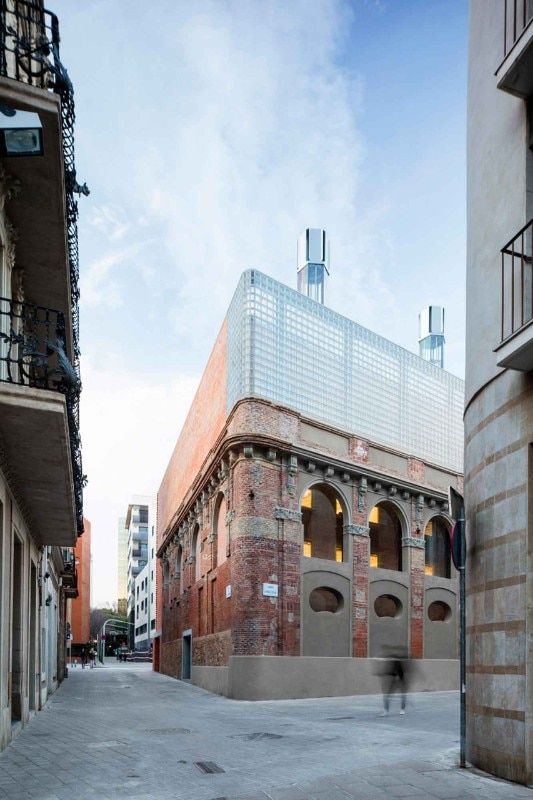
<point>125,732</point>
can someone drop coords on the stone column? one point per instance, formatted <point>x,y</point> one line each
<point>415,548</point>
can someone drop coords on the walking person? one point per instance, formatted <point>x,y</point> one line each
<point>83,657</point>
<point>394,674</point>
<point>92,656</point>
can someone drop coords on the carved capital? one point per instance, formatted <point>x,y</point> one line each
<point>357,530</point>
<point>413,541</point>
<point>287,513</point>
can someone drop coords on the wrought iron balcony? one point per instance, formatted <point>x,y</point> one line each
<point>32,353</point>
<point>69,576</point>
<point>29,53</point>
<point>517,16</point>
<point>515,73</point>
<point>516,348</point>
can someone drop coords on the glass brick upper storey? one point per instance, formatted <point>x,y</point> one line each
<point>291,350</point>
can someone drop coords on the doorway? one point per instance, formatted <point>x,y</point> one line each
<point>186,656</point>
<point>16,633</point>
<point>32,664</point>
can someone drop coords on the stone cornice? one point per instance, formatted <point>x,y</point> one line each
<point>287,513</point>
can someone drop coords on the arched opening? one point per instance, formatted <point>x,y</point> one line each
<point>219,530</point>
<point>439,611</point>
<point>437,544</point>
<point>196,552</point>
<point>325,598</point>
<point>385,537</point>
<point>323,522</point>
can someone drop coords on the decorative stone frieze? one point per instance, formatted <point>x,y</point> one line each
<point>310,466</point>
<point>271,454</point>
<point>412,541</point>
<point>287,513</point>
<point>406,495</point>
<point>377,486</point>
<point>393,491</point>
<point>357,530</point>
<point>248,451</point>
<point>345,477</point>
<point>329,472</point>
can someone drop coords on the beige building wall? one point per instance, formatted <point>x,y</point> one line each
<point>499,403</point>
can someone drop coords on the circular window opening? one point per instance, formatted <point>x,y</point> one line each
<point>326,599</point>
<point>386,605</point>
<point>439,611</point>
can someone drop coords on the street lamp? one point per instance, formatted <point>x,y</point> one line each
<point>21,132</point>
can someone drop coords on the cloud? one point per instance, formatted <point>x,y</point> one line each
<point>128,425</point>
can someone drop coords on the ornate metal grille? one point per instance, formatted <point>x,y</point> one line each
<point>29,52</point>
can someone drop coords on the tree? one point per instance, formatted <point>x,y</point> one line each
<point>99,616</point>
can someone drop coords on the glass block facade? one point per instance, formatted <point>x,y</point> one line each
<point>289,349</point>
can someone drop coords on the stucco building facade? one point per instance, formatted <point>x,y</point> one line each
<point>294,545</point>
<point>499,390</point>
<point>41,479</point>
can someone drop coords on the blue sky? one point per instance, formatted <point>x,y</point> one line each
<point>210,134</point>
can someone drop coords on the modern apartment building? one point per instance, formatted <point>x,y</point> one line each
<point>140,525</point>
<point>122,566</point>
<point>499,390</point>
<point>41,479</point>
<point>303,511</point>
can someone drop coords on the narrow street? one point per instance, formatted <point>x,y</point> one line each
<point>124,731</point>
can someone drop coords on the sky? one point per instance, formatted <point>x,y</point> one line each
<point>210,135</point>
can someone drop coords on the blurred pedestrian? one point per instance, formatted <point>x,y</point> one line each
<point>83,657</point>
<point>394,674</point>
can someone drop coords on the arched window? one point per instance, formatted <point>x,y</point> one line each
<point>196,552</point>
<point>323,522</point>
<point>219,529</point>
<point>385,537</point>
<point>437,542</point>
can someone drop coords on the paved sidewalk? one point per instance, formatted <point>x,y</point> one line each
<point>125,732</point>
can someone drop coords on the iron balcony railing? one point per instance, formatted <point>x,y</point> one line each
<point>517,16</point>
<point>29,52</point>
<point>517,282</point>
<point>33,353</point>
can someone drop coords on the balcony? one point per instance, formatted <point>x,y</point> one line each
<point>515,73</point>
<point>515,350</point>
<point>43,208</point>
<point>39,391</point>
<point>69,579</point>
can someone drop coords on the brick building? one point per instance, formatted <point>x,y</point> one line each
<point>303,512</point>
<point>80,606</point>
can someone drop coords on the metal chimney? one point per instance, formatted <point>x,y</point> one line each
<point>313,263</point>
<point>431,335</point>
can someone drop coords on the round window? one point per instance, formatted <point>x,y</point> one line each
<point>325,599</point>
<point>439,611</point>
<point>386,605</point>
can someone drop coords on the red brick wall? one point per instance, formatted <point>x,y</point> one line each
<point>81,606</point>
<point>204,423</point>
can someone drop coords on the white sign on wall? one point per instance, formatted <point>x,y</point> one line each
<point>228,590</point>
<point>270,590</point>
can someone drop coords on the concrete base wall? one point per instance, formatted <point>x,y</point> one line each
<point>292,677</point>
<point>214,679</point>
